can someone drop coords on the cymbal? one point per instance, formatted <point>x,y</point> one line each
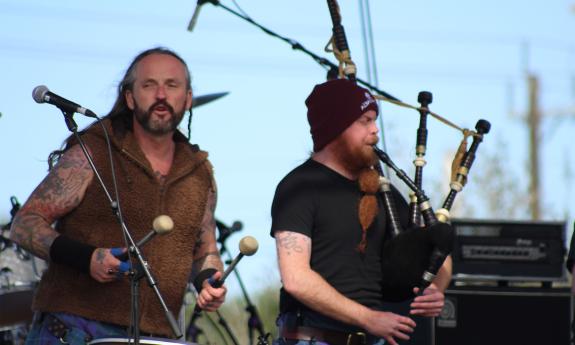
<point>201,100</point>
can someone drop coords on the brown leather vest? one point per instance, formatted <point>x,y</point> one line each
<point>183,197</point>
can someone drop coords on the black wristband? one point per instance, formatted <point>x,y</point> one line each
<point>203,275</point>
<point>67,251</point>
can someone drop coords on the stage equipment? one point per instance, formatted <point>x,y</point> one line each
<point>325,63</point>
<point>399,274</point>
<point>477,315</point>
<point>161,225</point>
<point>203,99</point>
<point>338,43</point>
<point>42,94</point>
<point>499,250</point>
<point>225,231</point>
<point>248,246</point>
<point>254,321</point>
<point>196,14</point>
<point>424,98</point>
<point>413,256</point>
<point>20,272</point>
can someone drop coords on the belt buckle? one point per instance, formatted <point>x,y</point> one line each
<point>362,338</point>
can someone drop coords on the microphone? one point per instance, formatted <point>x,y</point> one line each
<point>225,231</point>
<point>161,225</point>
<point>196,14</point>
<point>248,247</point>
<point>15,208</point>
<point>441,236</point>
<point>42,94</point>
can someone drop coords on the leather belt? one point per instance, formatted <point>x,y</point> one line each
<point>326,336</point>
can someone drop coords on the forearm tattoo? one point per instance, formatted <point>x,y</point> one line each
<point>31,232</point>
<point>208,225</point>
<point>206,254</point>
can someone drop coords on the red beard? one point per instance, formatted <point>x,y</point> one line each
<point>354,158</point>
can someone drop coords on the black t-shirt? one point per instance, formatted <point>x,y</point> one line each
<point>322,204</point>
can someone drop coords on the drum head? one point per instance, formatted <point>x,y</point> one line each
<point>143,340</point>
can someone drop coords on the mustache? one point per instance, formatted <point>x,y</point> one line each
<point>161,102</point>
<point>374,141</point>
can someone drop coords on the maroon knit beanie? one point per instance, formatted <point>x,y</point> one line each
<point>333,106</point>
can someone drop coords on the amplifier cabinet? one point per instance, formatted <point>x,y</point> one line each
<point>504,316</point>
<point>509,250</point>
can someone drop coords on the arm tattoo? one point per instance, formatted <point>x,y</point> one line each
<point>289,241</point>
<point>199,242</point>
<point>57,194</point>
<point>206,254</point>
<point>30,232</point>
<point>208,224</point>
<point>64,185</point>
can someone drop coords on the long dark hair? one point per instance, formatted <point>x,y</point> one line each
<point>120,114</point>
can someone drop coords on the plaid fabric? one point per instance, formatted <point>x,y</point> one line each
<point>80,330</point>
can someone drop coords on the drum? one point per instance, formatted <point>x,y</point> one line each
<point>19,274</point>
<point>143,340</point>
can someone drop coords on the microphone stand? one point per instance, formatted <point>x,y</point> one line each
<point>297,46</point>
<point>254,321</point>
<point>226,327</point>
<point>193,331</point>
<point>142,266</point>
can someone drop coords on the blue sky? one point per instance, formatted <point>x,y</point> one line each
<point>471,54</point>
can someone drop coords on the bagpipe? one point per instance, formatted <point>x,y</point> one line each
<point>414,254</point>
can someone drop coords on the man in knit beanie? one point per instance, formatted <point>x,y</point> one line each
<point>330,231</point>
<point>333,106</point>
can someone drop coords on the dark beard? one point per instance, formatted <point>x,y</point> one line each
<point>144,118</point>
<point>355,159</point>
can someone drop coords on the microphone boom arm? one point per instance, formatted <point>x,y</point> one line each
<point>298,46</point>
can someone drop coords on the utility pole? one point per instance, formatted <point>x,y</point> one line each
<point>533,122</point>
